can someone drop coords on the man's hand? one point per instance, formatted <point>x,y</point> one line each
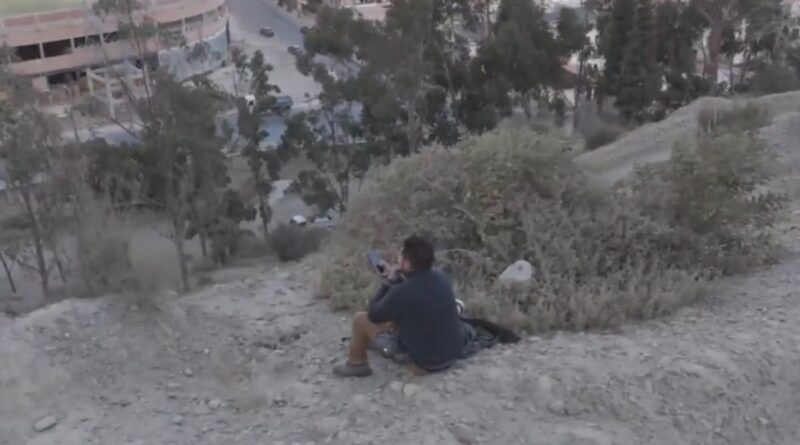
<point>389,271</point>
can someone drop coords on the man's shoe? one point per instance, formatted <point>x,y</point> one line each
<point>348,370</point>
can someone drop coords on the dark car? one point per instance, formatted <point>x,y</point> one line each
<point>305,29</point>
<point>267,32</point>
<point>295,50</point>
<point>282,104</point>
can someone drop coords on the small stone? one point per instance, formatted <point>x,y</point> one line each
<point>544,386</point>
<point>557,407</point>
<point>173,385</point>
<point>188,372</point>
<point>177,420</point>
<point>215,404</point>
<point>463,434</point>
<point>410,389</point>
<point>763,421</point>
<point>509,406</point>
<point>206,351</point>
<point>45,423</point>
<point>327,426</point>
<point>360,400</point>
<point>396,386</point>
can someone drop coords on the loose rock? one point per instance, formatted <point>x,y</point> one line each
<point>519,272</point>
<point>410,389</point>
<point>215,404</point>
<point>557,407</point>
<point>45,423</point>
<point>396,386</point>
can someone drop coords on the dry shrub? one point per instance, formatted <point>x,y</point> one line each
<point>740,119</point>
<point>601,256</point>
<point>292,242</point>
<point>103,251</point>
<point>503,197</point>
<point>602,134</point>
<point>249,246</point>
<point>713,196</point>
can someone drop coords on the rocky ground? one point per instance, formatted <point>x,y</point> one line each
<point>248,362</point>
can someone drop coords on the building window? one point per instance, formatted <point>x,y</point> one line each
<point>111,37</point>
<point>28,52</point>
<point>57,48</point>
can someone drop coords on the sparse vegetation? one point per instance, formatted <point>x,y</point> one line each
<point>601,257</point>
<point>602,134</point>
<point>737,120</point>
<point>292,242</point>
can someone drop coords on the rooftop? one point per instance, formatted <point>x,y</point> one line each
<point>18,7</point>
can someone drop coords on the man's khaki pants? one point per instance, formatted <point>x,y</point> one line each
<point>364,332</point>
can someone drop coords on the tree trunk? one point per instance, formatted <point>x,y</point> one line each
<point>177,232</point>
<point>413,127</point>
<point>731,80</point>
<point>203,241</point>
<point>745,66</point>
<point>60,267</point>
<point>38,246</point>
<point>265,216</point>
<point>714,46</point>
<point>7,270</point>
<point>526,105</point>
<point>488,13</point>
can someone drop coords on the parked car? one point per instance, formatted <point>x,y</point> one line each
<point>282,104</point>
<point>324,222</point>
<point>305,29</point>
<point>295,50</point>
<point>267,32</point>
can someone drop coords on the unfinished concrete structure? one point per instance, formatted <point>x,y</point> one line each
<point>59,47</point>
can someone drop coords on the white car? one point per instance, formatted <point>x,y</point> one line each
<point>320,221</point>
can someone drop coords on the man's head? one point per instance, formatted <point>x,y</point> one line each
<point>417,254</point>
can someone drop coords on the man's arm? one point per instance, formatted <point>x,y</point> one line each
<point>388,304</point>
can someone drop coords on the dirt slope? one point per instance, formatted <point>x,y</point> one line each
<point>653,142</point>
<point>249,363</point>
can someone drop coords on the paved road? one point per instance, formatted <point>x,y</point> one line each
<point>248,17</point>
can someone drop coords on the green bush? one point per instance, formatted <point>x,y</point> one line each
<point>737,120</point>
<point>600,256</point>
<point>602,134</point>
<point>292,242</point>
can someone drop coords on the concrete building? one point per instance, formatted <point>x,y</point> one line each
<point>57,47</point>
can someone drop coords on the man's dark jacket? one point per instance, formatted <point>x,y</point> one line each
<point>423,308</point>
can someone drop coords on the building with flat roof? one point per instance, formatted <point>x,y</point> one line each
<point>57,41</point>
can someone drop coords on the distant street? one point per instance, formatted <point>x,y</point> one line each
<point>247,18</point>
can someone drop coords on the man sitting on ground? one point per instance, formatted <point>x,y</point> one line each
<point>419,303</point>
